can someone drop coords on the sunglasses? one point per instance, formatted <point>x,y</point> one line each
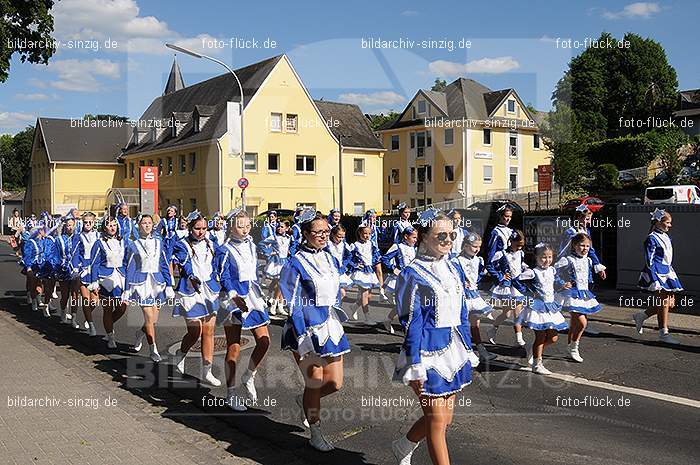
<point>320,233</point>
<point>442,237</point>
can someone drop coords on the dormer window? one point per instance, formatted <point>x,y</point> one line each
<point>196,123</point>
<point>511,106</point>
<point>421,107</point>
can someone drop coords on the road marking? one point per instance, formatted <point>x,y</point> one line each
<point>608,386</point>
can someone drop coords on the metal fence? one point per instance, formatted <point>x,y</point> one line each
<point>527,197</point>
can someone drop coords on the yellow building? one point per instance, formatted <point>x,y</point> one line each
<point>293,145</point>
<point>451,148</point>
<point>74,164</point>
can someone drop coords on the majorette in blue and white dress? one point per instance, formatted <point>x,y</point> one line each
<point>459,240</point>
<point>67,246</point>
<point>166,229</point>
<point>341,252</point>
<point>147,272</point>
<point>126,228</point>
<point>565,248</point>
<point>543,312</point>
<point>579,272</point>
<point>268,230</point>
<point>296,238</point>
<point>498,241</point>
<point>658,273</point>
<point>396,259</point>
<point>437,347</point>
<point>507,292</point>
<point>276,249</point>
<point>218,237</point>
<point>364,257</point>
<point>399,228</point>
<point>470,270</point>
<point>52,257</point>
<point>32,255</point>
<point>237,261</point>
<point>196,260</point>
<point>107,266</point>
<point>310,284</point>
<point>81,258</point>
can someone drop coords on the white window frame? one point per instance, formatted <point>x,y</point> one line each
<point>305,157</point>
<point>445,174</point>
<point>246,162</point>
<point>358,208</point>
<point>397,177</point>
<point>536,176</point>
<point>354,167</point>
<point>277,155</point>
<point>487,180</point>
<point>508,102</point>
<point>273,115</point>
<point>425,107</point>
<point>511,135</point>
<point>536,137</point>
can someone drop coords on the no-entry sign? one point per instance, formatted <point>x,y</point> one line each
<point>243,183</point>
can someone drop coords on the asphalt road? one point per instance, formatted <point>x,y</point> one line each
<point>632,401</point>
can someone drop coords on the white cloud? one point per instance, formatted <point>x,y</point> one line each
<point>409,13</point>
<point>643,10</point>
<point>81,75</point>
<point>35,97</point>
<point>10,120</point>
<point>37,83</point>
<point>376,98</point>
<point>484,65</point>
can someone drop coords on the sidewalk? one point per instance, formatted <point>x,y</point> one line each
<point>56,409</point>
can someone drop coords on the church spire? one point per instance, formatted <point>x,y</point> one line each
<point>175,81</point>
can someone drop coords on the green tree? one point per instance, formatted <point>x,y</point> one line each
<point>439,86</point>
<point>107,117</point>
<point>608,86</point>
<point>565,139</point>
<point>25,28</point>
<point>15,156</point>
<point>378,120</point>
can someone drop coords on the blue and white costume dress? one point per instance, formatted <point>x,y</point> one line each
<point>180,234</point>
<point>218,237</point>
<point>544,312</point>
<point>32,255</point>
<point>396,259</point>
<point>147,272</point>
<point>276,248</point>
<point>196,260</point>
<point>237,262</point>
<point>296,239</point>
<point>166,230</point>
<point>507,292</point>
<point>268,230</point>
<point>658,273</point>
<point>364,256</point>
<point>81,258</point>
<point>437,347</point>
<point>107,266</point>
<point>565,248</point>
<point>52,258</point>
<point>399,228</point>
<point>459,240</point>
<point>579,272</point>
<point>498,241</point>
<point>310,286</point>
<point>127,228</point>
<point>67,246</point>
<point>341,252</point>
<point>470,270</point>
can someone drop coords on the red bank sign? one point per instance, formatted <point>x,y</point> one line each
<point>148,185</point>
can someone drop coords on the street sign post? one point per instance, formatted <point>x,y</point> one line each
<point>148,186</point>
<point>243,183</point>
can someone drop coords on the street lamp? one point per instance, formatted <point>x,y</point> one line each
<point>177,48</point>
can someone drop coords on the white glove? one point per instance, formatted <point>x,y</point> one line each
<point>383,294</point>
<point>93,287</point>
<point>169,293</point>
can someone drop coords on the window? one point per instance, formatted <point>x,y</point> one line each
<point>358,208</point>
<point>429,138</point>
<point>193,204</point>
<point>536,141</point>
<point>150,162</point>
<point>183,164</point>
<point>429,173</point>
<point>413,175</point>
<point>193,161</point>
<point>180,205</point>
<point>513,144</point>
<point>412,138</point>
<point>291,125</point>
<point>170,169</point>
<point>395,142</point>
<point>488,174</point>
<point>251,162</point>
<point>306,164</point>
<point>126,171</point>
<point>160,169</point>
<point>449,173</point>
<point>487,136</point>
<point>535,175</point>
<point>358,166</point>
<point>421,106</point>
<point>513,180</point>
<point>274,205</point>
<point>142,163</point>
<point>413,112</point>
<point>449,136</point>
<point>273,162</point>
<point>131,170</point>
<point>413,203</point>
<point>511,106</point>
<point>394,176</point>
<point>276,122</point>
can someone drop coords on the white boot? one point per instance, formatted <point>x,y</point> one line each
<point>317,440</point>
<point>273,307</point>
<point>491,334</point>
<point>155,356</point>
<point>65,318</point>
<point>235,401</point>
<point>519,339</point>
<point>539,368</point>
<point>248,380</point>
<point>574,353</point>
<point>111,343</point>
<point>208,377</point>
<point>179,361</point>
<point>280,309</point>
<point>74,320</point>
<point>140,336</point>
<point>639,321</point>
<point>46,311</point>
<point>302,415</point>
<point>387,326</point>
<point>354,311</point>
<point>91,328</point>
<point>403,450</point>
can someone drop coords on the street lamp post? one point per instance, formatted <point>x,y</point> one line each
<point>240,89</point>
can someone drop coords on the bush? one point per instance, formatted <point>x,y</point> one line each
<point>636,151</point>
<point>607,177</point>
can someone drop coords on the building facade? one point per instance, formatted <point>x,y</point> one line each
<point>464,143</point>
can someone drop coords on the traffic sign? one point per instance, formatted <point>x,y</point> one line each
<point>243,183</point>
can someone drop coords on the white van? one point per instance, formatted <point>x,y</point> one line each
<point>672,194</point>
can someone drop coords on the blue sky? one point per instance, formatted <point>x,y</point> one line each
<point>510,44</point>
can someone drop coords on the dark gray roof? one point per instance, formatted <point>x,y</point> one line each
<point>79,144</point>
<point>348,120</point>
<point>689,99</point>
<point>462,98</point>
<point>210,96</point>
<point>175,81</point>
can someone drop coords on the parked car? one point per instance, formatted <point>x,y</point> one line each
<point>594,204</point>
<point>672,194</point>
